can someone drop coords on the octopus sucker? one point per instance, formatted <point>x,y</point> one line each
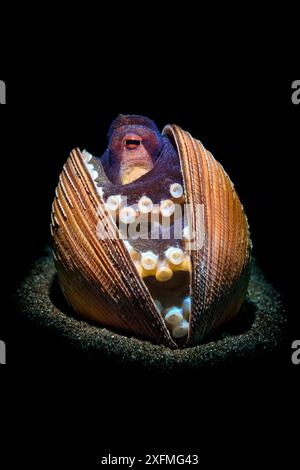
<point>153,240</point>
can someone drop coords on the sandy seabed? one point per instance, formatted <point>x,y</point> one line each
<point>258,330</point>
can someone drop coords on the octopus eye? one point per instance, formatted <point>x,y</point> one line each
<point>132,144</point>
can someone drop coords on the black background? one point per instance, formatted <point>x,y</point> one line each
<point>252,128</point>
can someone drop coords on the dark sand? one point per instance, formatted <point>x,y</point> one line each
<point>259,331</point>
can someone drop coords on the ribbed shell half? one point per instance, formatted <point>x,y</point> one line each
<point>99,278</point>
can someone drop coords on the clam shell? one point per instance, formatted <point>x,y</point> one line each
<point>221,268</point>
<point>99,278</point>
